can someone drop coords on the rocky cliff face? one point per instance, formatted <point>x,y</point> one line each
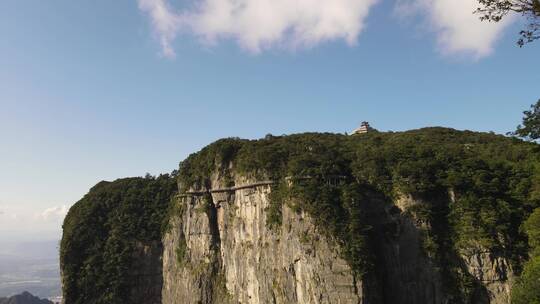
<point>493,271</point>
<point>220,249</point>
<point>146,276</point>
<point>232,256</point>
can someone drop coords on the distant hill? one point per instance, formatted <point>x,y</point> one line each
<point>24,298</point>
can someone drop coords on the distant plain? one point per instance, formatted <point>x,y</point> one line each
<point>31,266</point>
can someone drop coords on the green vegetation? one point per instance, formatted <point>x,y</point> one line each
<point>197,170</point>
<point>100,233</point>
<point>530,129</point>
<point>532,228</point>
<point>527,287</point>
<point>181,251</point>
<point>491,178</point>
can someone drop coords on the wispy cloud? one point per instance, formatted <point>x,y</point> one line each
<point>260,24</point>
<point>53,213</point>
<point>458,30</point>
<point>165,22</point>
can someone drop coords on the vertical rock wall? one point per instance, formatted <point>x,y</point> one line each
<point>147,273</point>
<point>220,250</point>
<point>251,263</point>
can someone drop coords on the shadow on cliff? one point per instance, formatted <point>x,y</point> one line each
<point>414,255</point>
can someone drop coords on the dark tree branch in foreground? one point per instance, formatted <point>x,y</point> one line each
<point>495,10</point>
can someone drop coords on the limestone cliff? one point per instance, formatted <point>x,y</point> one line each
<point>220,249</point>
<point>227,240</point>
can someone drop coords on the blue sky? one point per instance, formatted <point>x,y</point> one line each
<point>93,90</point>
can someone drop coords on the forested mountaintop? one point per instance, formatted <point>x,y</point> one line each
<point>477,189</point>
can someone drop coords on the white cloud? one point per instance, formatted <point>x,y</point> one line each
<point>53,213</point>
<point>457,28</point>
<point>165,22</point>
<point>260,24</point>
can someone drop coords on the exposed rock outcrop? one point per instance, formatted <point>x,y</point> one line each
<point>227,238</point>
<point>493,271</point>
<point>220,249</point>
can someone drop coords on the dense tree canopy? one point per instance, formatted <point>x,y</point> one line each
<point>100,234</point>
<point>527,287</point>
<point>495,10</point>
<point>530,128</point>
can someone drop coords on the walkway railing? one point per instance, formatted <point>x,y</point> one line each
<point>289,179</point>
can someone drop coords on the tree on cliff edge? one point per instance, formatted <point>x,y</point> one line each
<point>530,128</point>
<point>496,10</point>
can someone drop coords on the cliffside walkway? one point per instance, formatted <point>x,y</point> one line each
<point>228,189</point>
<point>253,185</point>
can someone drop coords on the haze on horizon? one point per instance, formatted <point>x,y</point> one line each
<point>101,90</point>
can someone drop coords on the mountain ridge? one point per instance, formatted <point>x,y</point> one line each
<point>24,298</point>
